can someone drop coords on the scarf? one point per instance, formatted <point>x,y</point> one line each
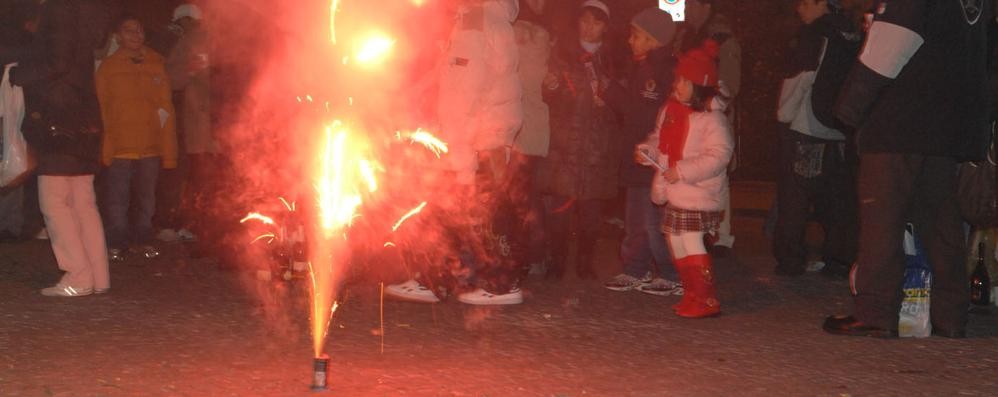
<point>675,129</point>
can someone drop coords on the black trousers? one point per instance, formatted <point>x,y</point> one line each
<point>559,229</point>
<point>815,172</point>
<point>528,205</point>
<point>895,189</point>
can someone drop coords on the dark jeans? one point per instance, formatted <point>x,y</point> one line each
<point>169,189</point>
<point>644,242</point>
<point>814,172</point>
<point>123,181</point>
<point>895,189</point>
<point>172,183</point>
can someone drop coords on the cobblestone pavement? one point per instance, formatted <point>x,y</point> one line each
<point>178,327</point>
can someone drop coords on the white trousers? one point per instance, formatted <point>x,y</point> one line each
<point>724,236</point>
<point>69,206</point>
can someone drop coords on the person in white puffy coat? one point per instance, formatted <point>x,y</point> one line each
<point>691,146</point>
<point>480,109</point>
<point>479,103</point>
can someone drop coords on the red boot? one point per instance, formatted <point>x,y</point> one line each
<point>698,280</point>
<point>682,267</point>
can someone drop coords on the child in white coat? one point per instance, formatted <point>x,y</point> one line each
<point>691,146</point>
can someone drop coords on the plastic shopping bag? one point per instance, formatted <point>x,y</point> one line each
<point>914,320</point>
<point>14,158</point>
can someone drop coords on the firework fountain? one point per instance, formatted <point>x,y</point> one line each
<point>336,81</point>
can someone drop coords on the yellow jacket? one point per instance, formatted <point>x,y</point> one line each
<point>136,105</point>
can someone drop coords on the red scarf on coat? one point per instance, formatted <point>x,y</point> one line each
<point>675,129</point>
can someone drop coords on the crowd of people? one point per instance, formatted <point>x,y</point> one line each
<point>658,124</point>
<point>101,103</point>
<point>547,123</point>
<point>570,142</point>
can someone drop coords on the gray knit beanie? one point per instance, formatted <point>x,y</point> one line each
<point>656,23</point>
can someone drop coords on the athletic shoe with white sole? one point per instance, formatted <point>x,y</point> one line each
<point>411,291</point>
<point>186,236</point>
<point>626,282</point>
<point>483,297</point>
<point>66,291</point>
<point>662,287</point>
<point>115,255</point>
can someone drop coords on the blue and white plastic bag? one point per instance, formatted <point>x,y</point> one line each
<point>914,317</point>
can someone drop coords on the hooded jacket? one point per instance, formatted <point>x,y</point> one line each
<point>583,162</point>
<point>137,107</point>
<point>535,49</point>
<point>814,73</point>
<point>703,168</point>
<point>196,91</point>
<point>479,103</point>
<point>637,100</point>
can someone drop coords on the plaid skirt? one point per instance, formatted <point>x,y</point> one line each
<point>677,220</point>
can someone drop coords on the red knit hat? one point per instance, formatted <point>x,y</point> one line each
<point>699,65</point>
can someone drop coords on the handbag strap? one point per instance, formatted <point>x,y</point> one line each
<point>6,73</point>
<point>991,149</point>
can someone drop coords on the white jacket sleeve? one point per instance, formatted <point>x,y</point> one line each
<point>716,150</point>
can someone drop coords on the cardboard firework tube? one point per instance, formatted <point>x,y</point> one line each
<point>320,373</point>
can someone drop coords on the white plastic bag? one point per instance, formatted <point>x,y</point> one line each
<point>14,158</point>
<point>914,317</point>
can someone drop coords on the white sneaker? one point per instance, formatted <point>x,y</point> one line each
<point>662,287</point>
<point>186,235</point>
<point>411,291</point>
<point>626,282</point>
<point>483,297</point>
<point>66,291</point>
<point>814,266</point>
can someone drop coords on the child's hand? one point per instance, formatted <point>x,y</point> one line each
<point>641,155</point>
<point>671,175</point>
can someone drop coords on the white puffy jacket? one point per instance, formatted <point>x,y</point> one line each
<point>703,169</point>
<point>479,100</point>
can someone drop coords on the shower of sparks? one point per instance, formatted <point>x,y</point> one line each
<point>256,216</point>
<point>270,236</point>
<point>408,215</point>
<point>333,6</point>
<point>427,139</point>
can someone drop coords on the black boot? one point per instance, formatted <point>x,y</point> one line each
<point>584,259</point>
<point>555,268</point>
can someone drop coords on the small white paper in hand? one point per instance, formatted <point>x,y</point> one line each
<point>163,116</point>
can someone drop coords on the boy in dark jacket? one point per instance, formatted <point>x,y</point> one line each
<point>814,168</point>
<point>646,86</point>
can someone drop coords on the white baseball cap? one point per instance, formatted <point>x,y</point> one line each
<point>187,10</point>
<point>597,4</point>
